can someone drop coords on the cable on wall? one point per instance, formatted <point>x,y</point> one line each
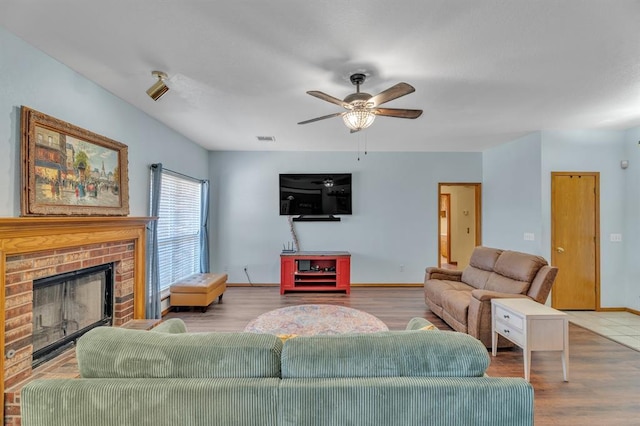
<point>246,272</point>
<point>293,233</point>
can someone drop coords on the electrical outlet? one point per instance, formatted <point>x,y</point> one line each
<point>401,268</point>
<point>529,236</point>
<point>615,238</point>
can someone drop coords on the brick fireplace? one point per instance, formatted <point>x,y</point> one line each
<point>33,248</point>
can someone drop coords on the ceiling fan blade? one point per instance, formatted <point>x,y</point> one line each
<point>321,118</point>
<point>399,113</point>
<point>392,93</point>
<point>328,98</point>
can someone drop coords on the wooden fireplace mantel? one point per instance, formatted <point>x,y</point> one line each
<point>25,230</point>
<point>23,235</point>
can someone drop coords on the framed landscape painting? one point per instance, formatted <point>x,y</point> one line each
<point>67,170</point>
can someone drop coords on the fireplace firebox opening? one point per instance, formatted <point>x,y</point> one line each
<point>67,305</point>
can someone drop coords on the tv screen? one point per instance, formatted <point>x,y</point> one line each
<point>315,194</point>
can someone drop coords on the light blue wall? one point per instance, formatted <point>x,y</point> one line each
<point>29,77</point>
<point>593,151</point>
<point>517,199</point>
<point>511,195</point>
<point>394,221</point>
<point>631,238</point>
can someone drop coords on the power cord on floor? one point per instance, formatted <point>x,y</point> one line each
<point>246,272</point>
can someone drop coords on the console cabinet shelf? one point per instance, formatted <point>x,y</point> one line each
<point>315,271</point>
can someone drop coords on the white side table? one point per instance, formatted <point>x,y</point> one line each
<point>533,327</point>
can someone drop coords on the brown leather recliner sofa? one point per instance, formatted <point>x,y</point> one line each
<point>463,298</point>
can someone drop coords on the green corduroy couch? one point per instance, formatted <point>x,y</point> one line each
<point>172,377</point>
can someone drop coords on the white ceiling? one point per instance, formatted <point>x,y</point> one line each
<point>485,71</point>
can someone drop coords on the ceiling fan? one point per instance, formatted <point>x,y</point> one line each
<point>362,108</point>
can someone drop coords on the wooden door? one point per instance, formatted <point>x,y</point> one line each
<point>575,240</point>
<point>445,226</point>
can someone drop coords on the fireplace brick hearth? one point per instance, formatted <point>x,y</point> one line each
<point>33,248</point>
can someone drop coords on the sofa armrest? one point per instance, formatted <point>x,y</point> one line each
<point>433,273</point>
<point>479,315</point>
<point>487,295</point>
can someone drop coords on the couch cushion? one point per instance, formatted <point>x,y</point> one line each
<point>484,258</point>
<point>456,304</point>
<point>406,401</point>
<point>504,284</point>
<point>384,354</point>
<point>480,266</point>
<point>120,353</point>
<point>433,289</point>
<point>475,277</point>
<point>151,402</point>
<point>519,266</point>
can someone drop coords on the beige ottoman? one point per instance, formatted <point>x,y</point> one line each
<point>198,290</point>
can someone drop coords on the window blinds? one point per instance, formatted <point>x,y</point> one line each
<point>178,228</point>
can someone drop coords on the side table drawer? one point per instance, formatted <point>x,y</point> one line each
<point>510,332</point>
<point>509,318</point>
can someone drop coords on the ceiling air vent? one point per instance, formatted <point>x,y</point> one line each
<point>266,138</point>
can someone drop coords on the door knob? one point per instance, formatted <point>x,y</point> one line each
<point>560,250</point>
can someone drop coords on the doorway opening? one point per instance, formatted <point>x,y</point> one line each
<point>459,223</point>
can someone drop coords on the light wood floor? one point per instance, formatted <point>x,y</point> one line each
<point>604,386</point>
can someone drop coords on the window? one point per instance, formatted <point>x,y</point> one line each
<point>179,222</point>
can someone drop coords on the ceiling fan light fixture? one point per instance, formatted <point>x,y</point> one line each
<point>358,118</point>
<point>362,108</point>
<point>158,89</point>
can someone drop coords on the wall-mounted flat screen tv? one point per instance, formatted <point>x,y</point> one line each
<point>315,194</point>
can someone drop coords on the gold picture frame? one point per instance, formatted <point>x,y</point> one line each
<point>67,170</point>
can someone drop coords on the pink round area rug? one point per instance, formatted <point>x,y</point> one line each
<point>315,319</point>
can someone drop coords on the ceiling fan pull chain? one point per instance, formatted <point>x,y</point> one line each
<point>366,139</point>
